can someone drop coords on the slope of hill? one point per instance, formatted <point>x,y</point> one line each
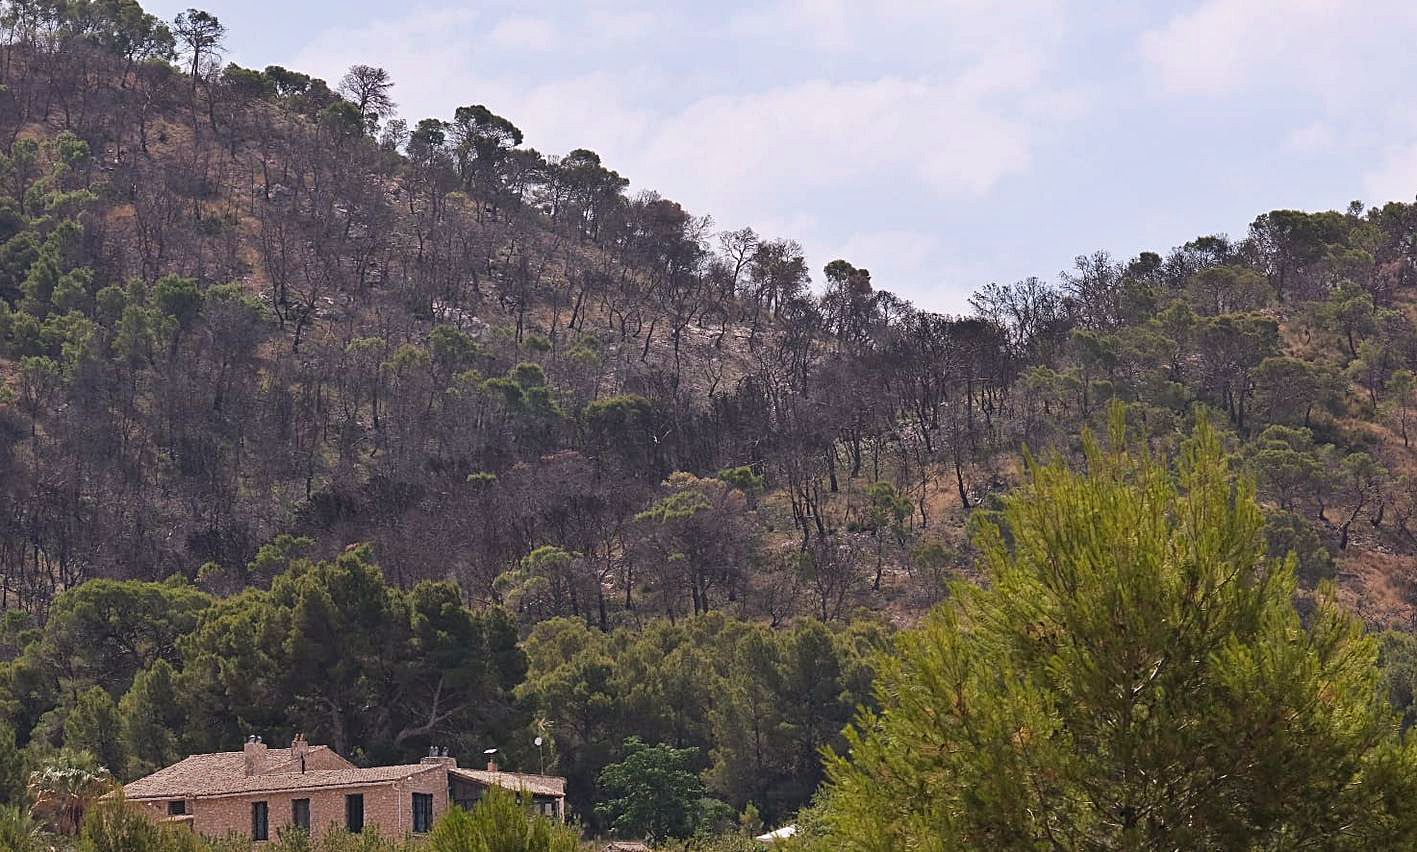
<point>236,304</point>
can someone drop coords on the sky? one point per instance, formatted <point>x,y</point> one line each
<point>942,144</point>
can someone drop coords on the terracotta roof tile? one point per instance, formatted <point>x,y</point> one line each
<point>224,774</point>
<point>541,785</point>
<point>187,776</point>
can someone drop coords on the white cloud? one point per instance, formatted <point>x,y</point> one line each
<point>524,32</point>
<point>1320,47</point>
<point>976,27</point>
<point>1220,45</point>
<point>823,134</point>
<point>1342,69</point>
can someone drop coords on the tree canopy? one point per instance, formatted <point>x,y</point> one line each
<point>1134,675</point>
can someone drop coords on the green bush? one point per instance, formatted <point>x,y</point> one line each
<point>500,823</point>
<point>115,826</point>
<point>18,831</point>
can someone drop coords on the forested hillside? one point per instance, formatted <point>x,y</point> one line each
<point>259,333</point>
<point>240,304</point>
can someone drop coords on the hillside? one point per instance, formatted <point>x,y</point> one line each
<point>398,432</point>
<point>238,304</point>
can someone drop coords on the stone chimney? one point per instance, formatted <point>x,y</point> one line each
<point>439,757</point>
<point>299,748</point>
<point>255,751</point>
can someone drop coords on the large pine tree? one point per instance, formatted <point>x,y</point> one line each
<point>1135,675</point>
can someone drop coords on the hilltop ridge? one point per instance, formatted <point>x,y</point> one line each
<point>237,304</point>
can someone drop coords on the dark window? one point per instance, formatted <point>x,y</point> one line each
<point>354,812</point>
<point>260,821</point>
<point>422,812</point>
<point>300,814</point>
<point>465,799</point>
<point>177,807</point>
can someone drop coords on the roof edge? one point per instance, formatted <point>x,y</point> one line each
<point>414,771</point>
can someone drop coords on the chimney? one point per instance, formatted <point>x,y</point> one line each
<point>255,755</point>
<point>299,748</point>
<point>439,757</point>
<point>491,754</point>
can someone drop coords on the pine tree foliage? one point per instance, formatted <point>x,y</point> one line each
<point>1134,675</point>
<point>500,823</point>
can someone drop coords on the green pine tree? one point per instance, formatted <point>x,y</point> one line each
<point>152,717</point>
<point>14,770</point>
<point>1134,676</point>
<point>93,724</point>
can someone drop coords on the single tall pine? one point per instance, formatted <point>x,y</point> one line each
<point>1134,675</point>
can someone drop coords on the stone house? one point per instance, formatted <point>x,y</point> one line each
<point>260,792</point>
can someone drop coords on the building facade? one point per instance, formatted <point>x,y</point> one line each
<point>263,792</point>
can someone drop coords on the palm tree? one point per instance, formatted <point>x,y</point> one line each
<point>65,787</point>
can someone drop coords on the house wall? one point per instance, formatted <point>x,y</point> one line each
<point>157,809</point>
<point>387,806</point>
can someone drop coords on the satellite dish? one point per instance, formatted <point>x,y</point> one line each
<point>537,742</point>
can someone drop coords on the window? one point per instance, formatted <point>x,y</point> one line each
<point>464,795</point>
<point>422,812</point>
<point>177,807</point>
<point>260,821</point>
<point>300,814</point>
<point>354,812</point>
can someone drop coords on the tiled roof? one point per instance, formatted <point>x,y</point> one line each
<point>199,769</point>
<point>540,785</point>
<point>185,777</point>
<point>224,774</point>
<point>281,759</point>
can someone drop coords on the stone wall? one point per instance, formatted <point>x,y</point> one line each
<point>388,807</point>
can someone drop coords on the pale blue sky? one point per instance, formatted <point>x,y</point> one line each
<point>940,143</point>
